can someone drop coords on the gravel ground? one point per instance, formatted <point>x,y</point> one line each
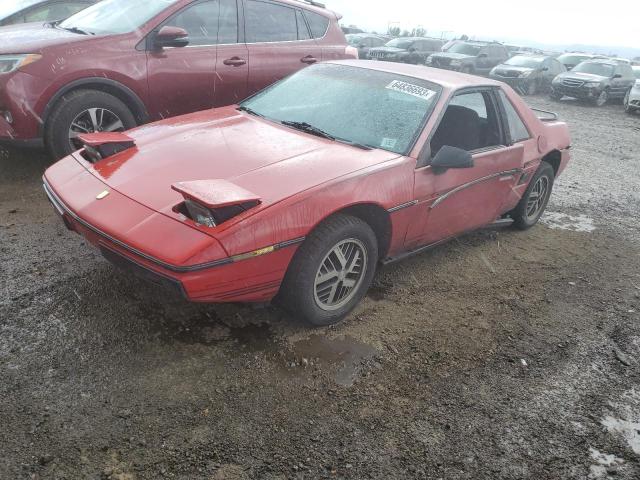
<point>501,355</point>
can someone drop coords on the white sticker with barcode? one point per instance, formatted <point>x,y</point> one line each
<point>389,143</point>
<point>410,89</point>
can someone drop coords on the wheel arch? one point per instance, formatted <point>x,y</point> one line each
<point>553,158</point>
<point>373,215</point>
<point>106,85</point>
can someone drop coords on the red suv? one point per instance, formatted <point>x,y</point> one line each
<point>120,63</point>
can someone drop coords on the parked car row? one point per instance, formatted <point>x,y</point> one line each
<point>118,64</point>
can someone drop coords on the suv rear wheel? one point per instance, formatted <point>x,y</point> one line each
<point>84,111</point>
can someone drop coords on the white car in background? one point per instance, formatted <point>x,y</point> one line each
<point>632,100</point>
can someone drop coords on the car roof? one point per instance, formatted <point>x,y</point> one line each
<point>604,61</point>
<point>446,78</point>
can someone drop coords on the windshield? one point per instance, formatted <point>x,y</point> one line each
<point>400,43</point>
<point>602,69</point>
<point>522,61</point>
<point>354,40</point>
<point>464,49</point>
<point>573,59</point>
<point>368,107</point>
<point>115,16</point>
<point>9,7</point>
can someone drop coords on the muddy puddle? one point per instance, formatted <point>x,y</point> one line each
<point>346,355</point>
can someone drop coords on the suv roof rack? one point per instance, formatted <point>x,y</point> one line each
<point>313,2</point>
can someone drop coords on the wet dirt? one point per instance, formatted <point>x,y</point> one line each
<point>501,355</point>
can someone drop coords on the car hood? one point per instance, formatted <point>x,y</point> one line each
<point>34,38</point>
<point>455,56</point>
<point>269,160</point>
<point>513,68</point>
<point>585,77</point>
<point>387,50</point>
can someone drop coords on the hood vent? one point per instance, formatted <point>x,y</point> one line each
<point>98,146</point>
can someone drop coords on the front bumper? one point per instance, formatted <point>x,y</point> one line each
<point>20,94</point>
<point>634,98</point>
<point>245,278</point>
<point>582,92</point>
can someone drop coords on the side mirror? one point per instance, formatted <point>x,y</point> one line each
<point>412,49</point>
<point>545,69</point>
<point>362,45</point>
<point>483,55</point>
<point>171,37</point>
<point>452,157</point>
<point>617,75</point>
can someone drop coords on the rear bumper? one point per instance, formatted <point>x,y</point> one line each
<point>251,278</point>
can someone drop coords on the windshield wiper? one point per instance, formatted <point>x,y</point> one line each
<point>76,30</point>
<point>308,128</point>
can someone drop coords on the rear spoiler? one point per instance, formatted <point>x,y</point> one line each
<point>105,144</point>
<point>215,193</point>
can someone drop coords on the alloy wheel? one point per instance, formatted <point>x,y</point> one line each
<point>538,198</point>
<point>94,120</point>
<point>340,274</point>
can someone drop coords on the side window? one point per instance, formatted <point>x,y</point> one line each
<point>470,123</point>
<point>228,24</point>
<point>269,22</point>
<point>200,21</point>
<point>517,129</point>
<point>318,23</point>
<point>303,30</point>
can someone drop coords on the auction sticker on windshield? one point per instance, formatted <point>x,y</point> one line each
<point>410,89</point>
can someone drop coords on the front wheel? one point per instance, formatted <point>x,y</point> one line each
<point>331,272</point>
<point>556,95</point>
<point>602,99</point>
<point>535,198</point>
<point>84,111</point>
<point>627,103</point>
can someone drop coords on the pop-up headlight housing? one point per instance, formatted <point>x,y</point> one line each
<point>213,202</point>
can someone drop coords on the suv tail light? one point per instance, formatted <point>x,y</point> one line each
<point>352,52</point>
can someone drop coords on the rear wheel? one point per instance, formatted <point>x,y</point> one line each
<point>331,272</point>
<point>84,111</point>
<point>535,199</point>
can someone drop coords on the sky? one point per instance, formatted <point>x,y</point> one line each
<point>544,21</point>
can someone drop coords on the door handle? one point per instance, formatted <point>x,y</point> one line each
<point>309,59</point>
<point>235,62</point>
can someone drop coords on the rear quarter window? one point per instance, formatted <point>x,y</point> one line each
<point>517,129</point>
<point>270,22</point>
<point>318,24</point>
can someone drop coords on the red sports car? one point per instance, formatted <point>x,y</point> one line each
<point>301,190</point>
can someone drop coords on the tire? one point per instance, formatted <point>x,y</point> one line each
<point>532,87</point>
<point>523,216</point>
<point>111,114</point>
<point>602,99</point>
<point>555,95</point>
<point>319,303</point>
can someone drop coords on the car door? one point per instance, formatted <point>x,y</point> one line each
<point>181,80</point>
<point>458,200</point>
<point>232,57</point>
<point>278,40</point>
